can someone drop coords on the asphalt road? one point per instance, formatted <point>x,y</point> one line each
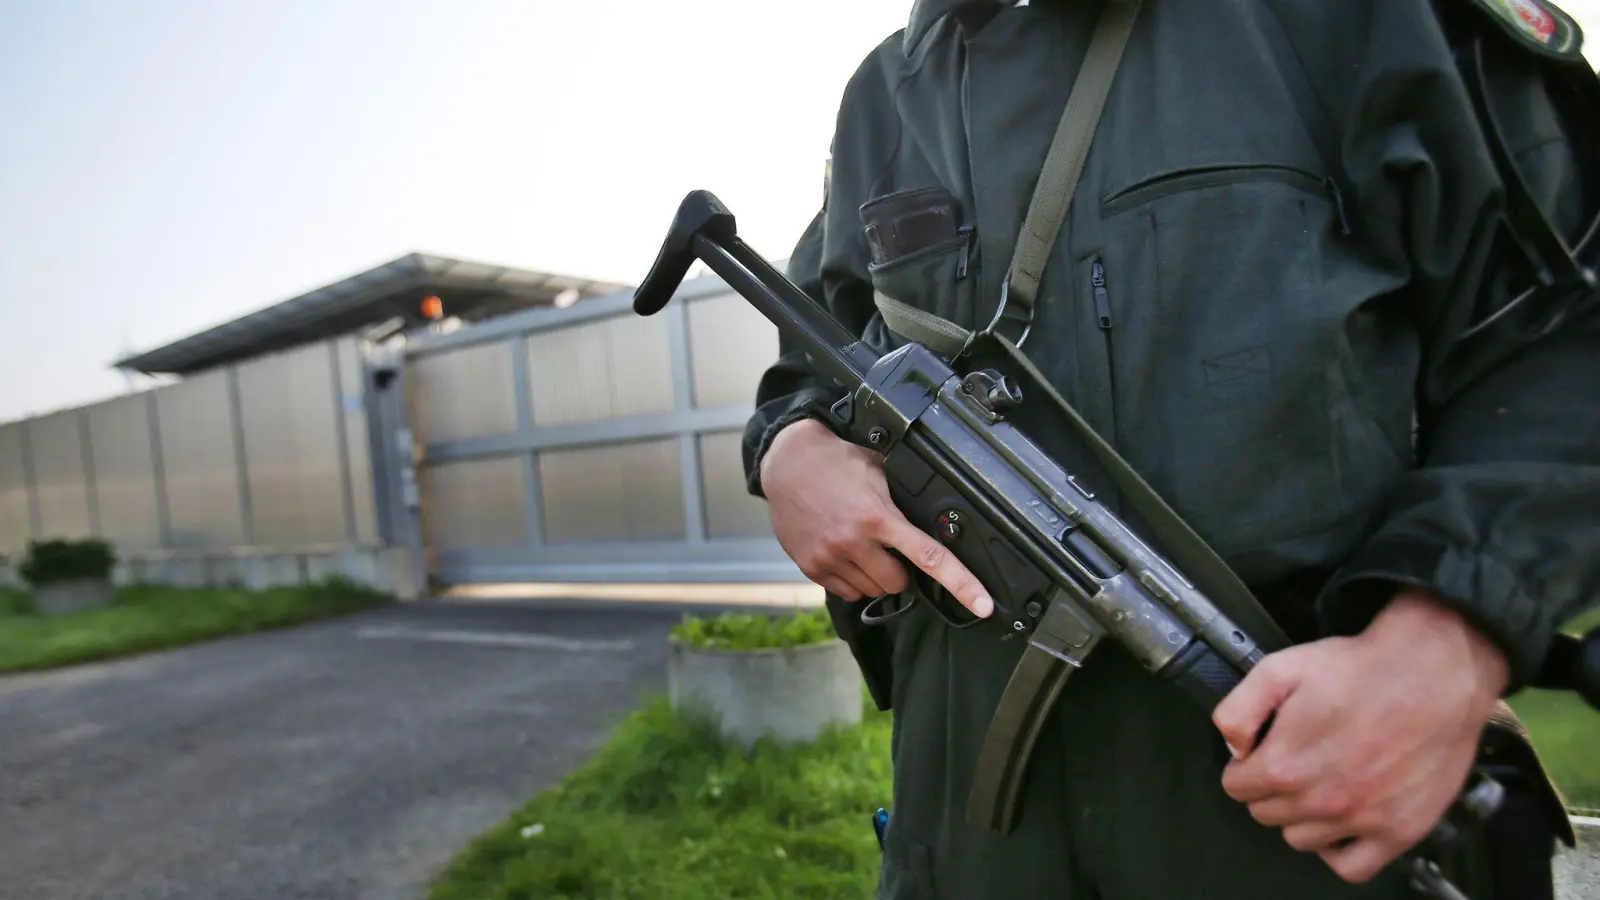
<point>348,759</point>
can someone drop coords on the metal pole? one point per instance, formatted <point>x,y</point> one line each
<point>532,501</point>
<point>346,488</point>
<point>158,470</point>
<point>91,485</point>
<point>694,509</point>
<point>241,460</point>
<point>35,515</point>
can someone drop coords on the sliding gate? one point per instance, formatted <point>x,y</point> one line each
<point>593,444</point>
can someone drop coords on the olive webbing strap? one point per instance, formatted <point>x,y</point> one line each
<point>1192,555</point>
<point>995,798</point>
<point>1052,193</point>
<point>1063,164</point>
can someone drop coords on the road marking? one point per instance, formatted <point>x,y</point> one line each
<point>492,639</point>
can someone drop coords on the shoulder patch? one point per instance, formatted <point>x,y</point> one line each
<point>1538,25</point>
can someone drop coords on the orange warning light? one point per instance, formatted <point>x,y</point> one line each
<point>432,307</point>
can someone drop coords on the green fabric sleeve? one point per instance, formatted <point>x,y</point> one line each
<point>1499,518</point>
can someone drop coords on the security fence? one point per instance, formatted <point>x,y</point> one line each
<point>578,444</point>
<point>267,461</point>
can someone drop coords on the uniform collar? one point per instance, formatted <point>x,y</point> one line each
<point>924,13</point>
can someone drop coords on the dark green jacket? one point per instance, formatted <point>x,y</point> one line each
<point>1293,211</point>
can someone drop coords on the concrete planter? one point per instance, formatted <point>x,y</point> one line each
<point>71,595</point>
<point>1578,869</point>
<point>789,693</point>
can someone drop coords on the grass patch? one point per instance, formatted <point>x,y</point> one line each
<point>1567,735</point>
<point>14,602</point>
<point>1566,732</point>
<point>151,617</point>
<point>669,811</point>
<point>755,631</point>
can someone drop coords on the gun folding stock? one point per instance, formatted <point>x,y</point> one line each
<point>704,229</point>
<point>700,214</point>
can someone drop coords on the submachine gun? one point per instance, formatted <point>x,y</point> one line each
<point>1062,569</point>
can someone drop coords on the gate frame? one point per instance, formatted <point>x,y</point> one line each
<point>694,558</point>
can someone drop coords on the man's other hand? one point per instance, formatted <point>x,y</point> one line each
<point>831,512</point>
<point>1373,736</point>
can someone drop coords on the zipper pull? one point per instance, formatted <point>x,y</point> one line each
<point>1338,205</point>
<point>1102,298</point>
<point>966,252</point>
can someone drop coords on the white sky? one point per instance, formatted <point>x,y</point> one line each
<point>171,164</point>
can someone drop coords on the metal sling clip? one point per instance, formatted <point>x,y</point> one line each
<point>1018,314</point>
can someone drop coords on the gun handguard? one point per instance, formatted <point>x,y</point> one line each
<point>1063,570</point>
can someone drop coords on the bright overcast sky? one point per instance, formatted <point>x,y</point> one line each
<point>172,164</point>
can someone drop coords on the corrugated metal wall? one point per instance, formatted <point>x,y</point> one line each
<point>586,443</point>
<point>273,453</point>
<point>594,444</point>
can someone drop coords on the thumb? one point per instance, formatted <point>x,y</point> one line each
<point>1243,715</point>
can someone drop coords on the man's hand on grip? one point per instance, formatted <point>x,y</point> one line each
<point>832,513</point>
<point>1372,735</point>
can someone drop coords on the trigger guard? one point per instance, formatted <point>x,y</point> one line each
<point>867,618</point>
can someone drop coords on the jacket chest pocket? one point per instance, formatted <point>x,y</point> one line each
<point>923,252</point>
<point>1231,289</point>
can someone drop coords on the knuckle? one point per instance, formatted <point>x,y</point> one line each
<point>874,520</point>
<point>1366,819</point>
<point>1331,802</point>
<point>1227,721</point>
<point>1273,669</point>
<point>1344,869</point>
<point>1280,776</point>
<point>1299,840</point>
<point>931,556</point>
<point>965,584</point>
<point>836,546</point>
<point>1355,871</point>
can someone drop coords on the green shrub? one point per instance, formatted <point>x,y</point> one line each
<point>755,631</point>
<point>14,602</point>
<point>61,560</point>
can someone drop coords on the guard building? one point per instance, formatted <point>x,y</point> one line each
<point>432,421</point>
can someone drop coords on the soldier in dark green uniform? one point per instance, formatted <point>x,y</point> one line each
<point>1287,220</point>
